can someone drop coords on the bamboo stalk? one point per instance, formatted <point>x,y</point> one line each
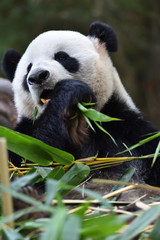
<point>126,183</point>
<point>80,201</point>
<point>119,191</point>
<point>7,204</point>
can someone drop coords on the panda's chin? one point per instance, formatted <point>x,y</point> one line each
<point>45,96</point>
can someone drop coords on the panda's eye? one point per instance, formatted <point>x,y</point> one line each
<point>61,56</point>
<point>29,67</point>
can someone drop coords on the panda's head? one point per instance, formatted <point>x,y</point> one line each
<point>57,55</point>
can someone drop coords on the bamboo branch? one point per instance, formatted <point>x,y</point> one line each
<point>7,204</point>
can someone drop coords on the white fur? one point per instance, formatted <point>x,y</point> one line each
<point>96,69</point>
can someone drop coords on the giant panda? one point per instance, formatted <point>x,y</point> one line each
<point>60,69</point>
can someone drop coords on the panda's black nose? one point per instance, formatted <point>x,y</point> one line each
<point>39,77</point>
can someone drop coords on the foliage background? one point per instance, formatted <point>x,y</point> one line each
<point>136,22</point>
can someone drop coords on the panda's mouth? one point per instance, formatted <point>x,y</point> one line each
<point>46,96</point>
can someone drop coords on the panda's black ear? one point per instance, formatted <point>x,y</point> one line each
<point>9,63</point>
<point>105,34</point>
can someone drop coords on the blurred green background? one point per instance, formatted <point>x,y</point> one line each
<point>136,22</point>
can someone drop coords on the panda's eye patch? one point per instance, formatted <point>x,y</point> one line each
<point>25,86</point>
<point>61,56</point>
<point>71,64</point>
<point>29,67</point>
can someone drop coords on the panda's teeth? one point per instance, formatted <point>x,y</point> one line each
<point>44,101</point>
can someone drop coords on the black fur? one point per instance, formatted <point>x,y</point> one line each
<point>9,63</point>
<point>68,62</point>
<point>105,34</point>
<point>29,68</point>
<point>24,84</point>
<point>130,131</point>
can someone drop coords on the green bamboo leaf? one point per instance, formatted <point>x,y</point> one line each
<point>71,228</point>
<point>82,108</point>
<point>92,114</point>
<point>50,195</point>
<point>23,181</point>
<point>102,129</point>
<point>43,171</point>
<point>127,175</point>
<point>98,116</point>
<point>156,154</point>
<point>82,209</point>
<point>95,228</point>
<point>138,225</point>
<point>140,143</point>
<point>76,174</point>
<point>95,115</point>
<point>87,104</point>
<point>127,149</point>
<point>155,234</point>
<point>33,149</point>
<point>9,234</point>
<point>88,121</point>
<point>18,214</point>
<point>54,227</point>
<point>35,224</point>
<point>57,173</point>
<point>35,114</point>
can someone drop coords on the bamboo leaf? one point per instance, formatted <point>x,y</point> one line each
<point>71,228</point>
<point>87,104</point>
<point>156,153</point>
<point>57,173</point>
<point>92,114</point>
<point>127,175</point>
<point>35,114</point>
<point>95,115</point>
<point>9,234</point>
<point>33,149</point>
<point>18,195</point>
<point>127,149</point>
<point>140,223</point>
<point>102,129</point>
<point>88,121</point>
<point>95,228</point>
<point>155,234</point>
<point>53,228</point>
<point>75,175</point>
<point>140,143</point>
<point>50,195</point>
<point>22,181</point>
<point>43,171</point>
<point>82,108</point>
<point>98,116</point>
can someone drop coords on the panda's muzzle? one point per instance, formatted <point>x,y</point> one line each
<point>38,78</point>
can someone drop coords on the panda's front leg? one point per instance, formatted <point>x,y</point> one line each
<point>66,95</point>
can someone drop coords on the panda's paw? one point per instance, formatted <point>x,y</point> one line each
<point>70,93</point>
<point>71,88</point>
